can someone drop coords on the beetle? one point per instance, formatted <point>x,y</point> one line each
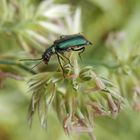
<point>65,43</point>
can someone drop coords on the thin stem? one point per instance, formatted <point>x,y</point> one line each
<point>76,65</point>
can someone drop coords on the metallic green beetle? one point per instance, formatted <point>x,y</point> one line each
<point>65,43</point>
<point>76,42</point>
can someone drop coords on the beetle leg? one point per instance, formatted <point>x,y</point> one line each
<point>78,49</point>
<point>59,61</point>
<point>81,51</point>
<point>62,55</point>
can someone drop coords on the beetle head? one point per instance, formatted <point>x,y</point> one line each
<point>46,57</point>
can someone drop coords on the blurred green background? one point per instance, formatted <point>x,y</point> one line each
<point>27,27</point>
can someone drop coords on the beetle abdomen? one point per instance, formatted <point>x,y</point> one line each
<point>71,40</point>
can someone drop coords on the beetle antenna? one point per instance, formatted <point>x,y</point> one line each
<point>33,60</point>
<point>30,59</point>
<point>36,65</point>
